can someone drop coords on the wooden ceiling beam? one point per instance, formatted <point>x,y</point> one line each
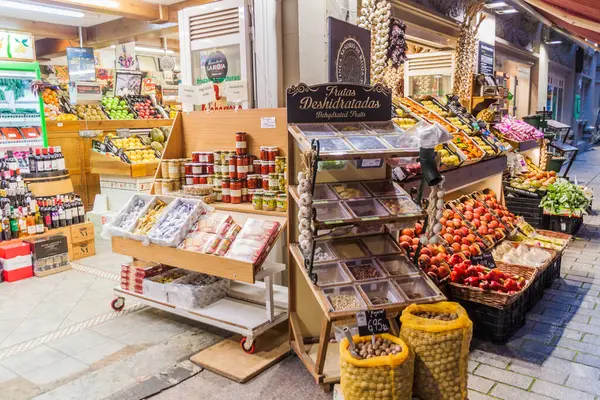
<point>126,30</point>
<point>134,9</point>
<point>37,28</point>
<point>47,48</point>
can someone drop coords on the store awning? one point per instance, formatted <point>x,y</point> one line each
<point>580,17</point>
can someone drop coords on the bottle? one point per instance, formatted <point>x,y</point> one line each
<point>80,210</point>
<point>31,161</point>
<point>54,213</point>
<point>39,222</point>
<point>22,222</point>
<point>11,161</point>
<point>14,223</point>
<point>47,215</point>
<point>53,160</point>
<point>6,232</point>
<point>46,163</point>
<point>37,160</point>
<point>62,217</point>
<point>68,211</point>
<point>31,227</point>
<point>61,158</point>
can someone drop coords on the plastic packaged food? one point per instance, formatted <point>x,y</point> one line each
<point>400,205</point>
<point>352,190</point>
<point>381,293</point>
<point>176,221</point>
<point>347,249</point>
<point>254,241</point>
<point>366,143</point>
<point>316,129</point>
<point>129,215</point>
<point>416,288</point>
<point>147,221</point>
<point>343,298</point>
<point>364,270</point>
<point>330,274</point>
<point>384,188</point>
<point>397,265</point>
<point>363,208</point>
<point>380,245</point>
<point>197,290</point>
<point>334,145</point>
<point>323,192</point>
<point>350,129</point>
<point>323,252</point>
<point>331,212</point>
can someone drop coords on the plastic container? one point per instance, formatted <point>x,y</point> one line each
<point>310,130</point>
<point>330,274</point>
<point>323,192</point>
<point>384,188</point>
<point>416,288</point>
<point>352,190</point>
<point>350,129</point>
<point>331,212</point>
<point>343,298</point>
<point>495,324</point>
<point>381,293</point>
<point>334,145</point>
<point>366,143</point>
<point>381,245</point>
<point>528,208</point>
<point>324,253</point>
<point>347,249</point>
<point>383,128</point>
<point>364,270</point>
<point>400,205</point>
<point>364,208</point>
<point>397,265</point>
<point>404,141</point>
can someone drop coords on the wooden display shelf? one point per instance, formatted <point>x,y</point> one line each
<point>105,164</point>
<point>106,125</point>
<point>50,186</point>
<point>246,208</point>
<point>411,218</point>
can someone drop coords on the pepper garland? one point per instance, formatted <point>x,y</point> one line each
<point>394,72</point>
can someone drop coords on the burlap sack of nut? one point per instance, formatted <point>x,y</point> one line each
<point>439,335</point>
<point>380,377</point>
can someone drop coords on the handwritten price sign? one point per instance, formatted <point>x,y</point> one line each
<point>372,322</point>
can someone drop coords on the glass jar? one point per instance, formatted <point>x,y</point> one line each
<point>257,167</point>
<point>272,153</point>
<point>226,190</point>
<point>189,179</point>
<point>168,186</point>
<point>218,192</point>
<point>282,182</point>
<point>263,153</point>
<point>182,167</point>
<point>241,144</point>
<point>235,191</point>
<point>242,167</point>
<point>265,182</point>
<point>269,201</point>
<point>217,156</point>
<point>233,167</point>
<point>264,167</point>
<point>282,202</point>
<point>271,167</point>
<point>244,183</point>
<point>274,182</point>
<point>188,168</point>
<point>280,164</point>
<point>174,169</point>
<point>196,157</point>
<point>164,169</point>
<point>158,186</point>
<point>257,199</point>
<point>253,181</point>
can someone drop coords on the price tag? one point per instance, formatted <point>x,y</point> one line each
<point>123,132</point>
<point>486,259</point>
<point>369,218</point>
<point>206,93</point>
<point>187,94</point>
<point>372,322</point>
<point>268,123</point>
<point>370,163</point>
<point>236,91</point>
<point>337,221</point>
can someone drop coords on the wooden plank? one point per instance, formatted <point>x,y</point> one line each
<point>39,28</point>
<point>246,208</point>
<point>105,125</point>
<point>105,164</point>
<point>52,187</point>
<point>331,368</point>
<point>323,344</point>
<point>126,30</point>
<point>52,271</point>
<point>134,9</point>
<point>206,263</point>
<point>226,358</point>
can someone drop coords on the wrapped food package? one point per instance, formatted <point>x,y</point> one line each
<point>156,286</point>
<point>387,377</point>
<point>254,241</point>
<point>134,273</point>
<point>127,218</point>
<point>176,221</point>
<point>206,231</point>
<point>196,290</point>
<point>439,335</point>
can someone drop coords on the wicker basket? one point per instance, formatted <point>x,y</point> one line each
<point>557,235</point>
<point>494,298</point>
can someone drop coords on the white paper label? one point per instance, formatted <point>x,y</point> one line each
<point>187,94</point>
<point>371,163</point>
<point>236,91</point>
<point>268,123</point>
<point>206,93</point>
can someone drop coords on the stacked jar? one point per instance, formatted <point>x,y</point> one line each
<point>171,172</point>
<point>269,175</point>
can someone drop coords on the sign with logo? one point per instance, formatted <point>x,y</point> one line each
<point>338,102</point>
<point>349,53</point>
<point>216,66</point>
<point>81,64</point>
<point>16,46</point>
<point>486,58</point>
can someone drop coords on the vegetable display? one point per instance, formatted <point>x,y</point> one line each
<point>487,279</point>
<point>565,197</point>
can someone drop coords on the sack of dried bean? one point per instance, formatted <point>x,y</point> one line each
<point>382,377</point>
<point>439,335</point>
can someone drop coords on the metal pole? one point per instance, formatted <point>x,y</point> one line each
<point>80,37</point>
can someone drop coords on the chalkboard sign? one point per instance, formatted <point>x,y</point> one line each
<point>372,322</point>
<point>486,259</point>
<point>338,102</point>
<point>486,58</point>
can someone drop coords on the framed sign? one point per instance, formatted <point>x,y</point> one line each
<point>128,83</point>
<point>349,53</point>
<point>16,46</point>
<point>338,102</point>
<point>486,58</point>
<point>81,64</point>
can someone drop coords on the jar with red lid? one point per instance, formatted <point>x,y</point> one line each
<point>272,153</point>
<point>235,191</point>
<point>244,183</point>
<point>264,167</point>
<point>265,182</point>
<point>196,179</point>
<point>257,167</point>
<point>233,167</point>
<point>272,167</point>
<point>188,169</point>
<point>263,153</point>
<point>209,168</point>
<point>196,157</point>
<point>242,167</point>
<point>203,179</point>
<point>253,181</point>
<point>241,144</point>
<point>225,186</point>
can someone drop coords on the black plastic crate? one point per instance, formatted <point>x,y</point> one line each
<point>496,325</point>
<point>528,208</point>
<point>558,223</point>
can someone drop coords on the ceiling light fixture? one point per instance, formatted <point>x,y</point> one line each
<point>498,4</point>
<point>554,42</point>
<point>41,9</point>
<point>507,11</point>
<point>153,50</point>
<point>102,3</point>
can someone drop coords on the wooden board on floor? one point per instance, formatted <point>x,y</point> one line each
<point>52,271</point>
<point>227,358</point>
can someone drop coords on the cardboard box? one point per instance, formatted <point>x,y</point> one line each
<point>12,250</point>
<point>84,249</point>
<point>18,274</point>
<point>82,232</point>
<point>48,247</point>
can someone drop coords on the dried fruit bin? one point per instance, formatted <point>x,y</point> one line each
<point>366,208</point>
<point>330,274</point>
<point>381,293</point>
<point>347,249</point>
<point>331,212</point>
<point>379,245</point>
<point>312,130</point>
<point>364,270</point>
<point>418,289</point>
<point>397,265</point>
<point>350,128</point>
<point>349,190</point>
<point>344,298</point>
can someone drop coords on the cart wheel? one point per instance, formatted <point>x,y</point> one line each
<point>248,345</point>
<point>314,278</point>
<point>118,304</point>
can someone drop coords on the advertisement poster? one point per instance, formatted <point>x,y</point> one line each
<point>16,46</point>
<point>217,66</point>
<point>349,53</point>
<point>128,83</point>
<point>125,56</point>
<point>81,64</point>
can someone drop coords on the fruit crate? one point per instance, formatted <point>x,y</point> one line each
<point>528,208</point>
<point>493,324</point>
<point>563,224</point>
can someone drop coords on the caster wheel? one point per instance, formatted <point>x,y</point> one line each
<point>248,345</point>
<point>314,278</point>
<point>118,304</point>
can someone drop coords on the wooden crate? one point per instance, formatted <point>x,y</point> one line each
<point>84,249</point>
<point>82,232</point>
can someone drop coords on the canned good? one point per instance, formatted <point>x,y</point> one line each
<point>202,179</point>
<point>158,186</point>
<point>269,201</point>
<point>272,153</point>
<point>241,144</point>
<point>217,181</point>
<point>242,167</point>
<point>225,190</point>
<point>211,179</point>
<point>206,157</point>
<point>209,168</point>
<point>182,164</point>
<point>244,190</point>
<point>257,199</point>
<point>233,167</point>
<point>196,179</point>
<point>282,182</point>
<point>264,167</point>
<point>280,164</point>
<point>218,194</point>
<point>263,153</point>
<point>217,156</point>
<point>256,167</point>
<point>282,202</point>
<point>235,191</point>
<point>198,169</point>
<point>164,168</point>
<point>168,186</point>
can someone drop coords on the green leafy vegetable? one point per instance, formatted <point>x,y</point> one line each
<point>564,196</point>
